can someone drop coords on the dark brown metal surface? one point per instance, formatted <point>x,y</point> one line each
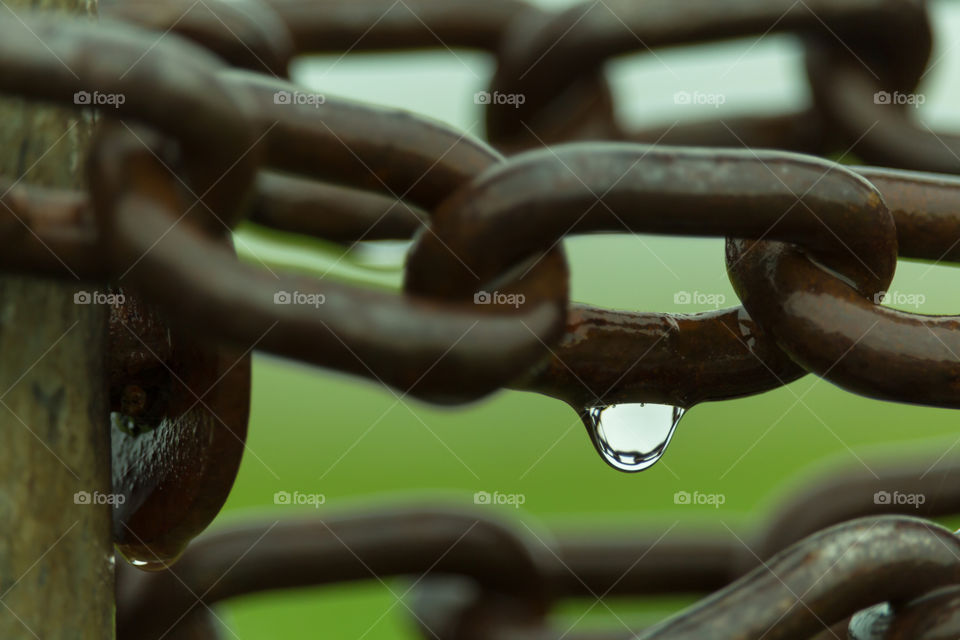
<point>935,616</point>
<point>323,210</point>
<point>246,33</point>
<point>879,132</point>
<point>294,553</point>
<point>375,25</point>
<point>50,59</point>
<point>176,450</point>
<point>442,352</point>
<point>558,58</point>
<point>801,304</point>
<point>529,204</point>
<point>869,561</point>
<point>381,149</point>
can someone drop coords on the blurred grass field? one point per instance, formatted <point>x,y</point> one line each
<point>319,432</point>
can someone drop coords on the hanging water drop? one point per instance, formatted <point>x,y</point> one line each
<point>146,559</point>
<point>149,565</point>
<point>631,437</point>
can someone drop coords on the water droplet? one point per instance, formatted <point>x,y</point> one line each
<point>631,437</point>
<point>146,559</point>
<point>148,565</point>
<point>746,325</point>
<point>131,425</point>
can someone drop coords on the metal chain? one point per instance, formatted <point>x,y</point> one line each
<point>397,154</point>
<point>852,563</point>
<point>811,247</point>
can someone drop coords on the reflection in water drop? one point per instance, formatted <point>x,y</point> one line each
<point>147,560</point>
<point>631,437</point>
<point>148,566</point>
<point>132,426</point>
<point>745,324</point>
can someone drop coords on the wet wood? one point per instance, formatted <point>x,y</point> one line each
<point>56,551</point>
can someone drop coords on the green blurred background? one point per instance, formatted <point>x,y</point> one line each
<point>319,432</point>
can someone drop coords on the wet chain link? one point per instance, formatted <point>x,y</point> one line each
<point>208,134</point>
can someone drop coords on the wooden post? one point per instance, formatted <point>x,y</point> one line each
<point>56,553</point>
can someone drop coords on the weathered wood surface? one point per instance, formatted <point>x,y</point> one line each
<point>56,555</point>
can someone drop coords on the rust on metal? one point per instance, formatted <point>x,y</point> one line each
<point>246,34</point>
<point>179,412</point>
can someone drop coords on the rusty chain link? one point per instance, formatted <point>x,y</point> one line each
<point>207,132</point>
